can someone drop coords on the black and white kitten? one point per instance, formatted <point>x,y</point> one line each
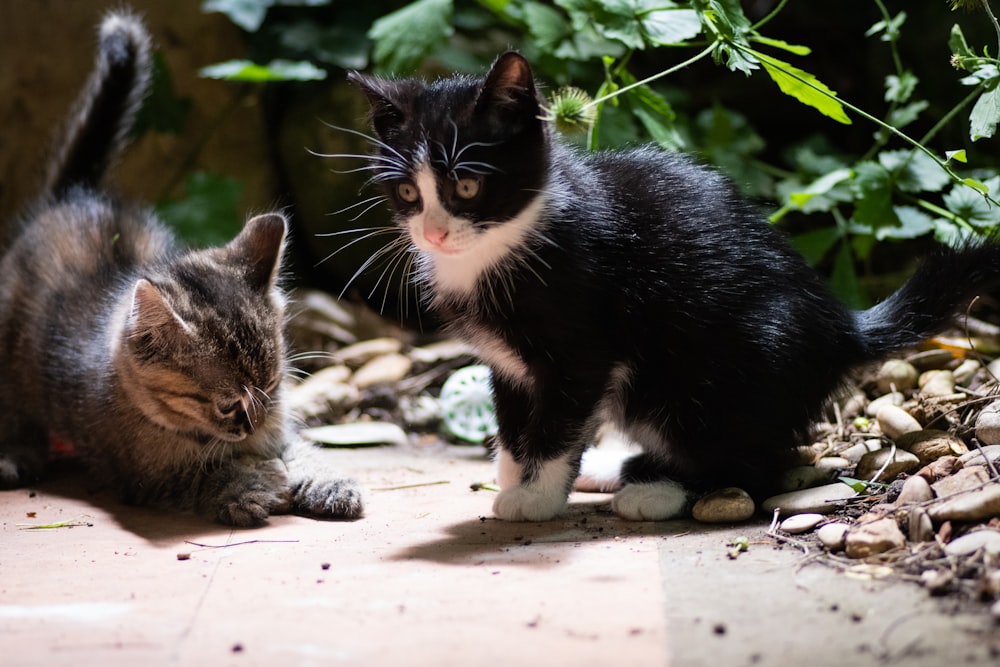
<point>629,286</point>
<point>163,366</point>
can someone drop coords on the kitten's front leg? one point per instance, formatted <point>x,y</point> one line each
<point>245,491</point>
<point>317,488</point>
<point>541,440</point>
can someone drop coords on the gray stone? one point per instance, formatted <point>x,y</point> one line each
<point>323,394</point>
<point>833,535</point>
<point>930,445</point>
<point>915,490</point>
<point>358,434</point>
<point>966,370</point>
<point>988,425</point>
<point>895,421</point>
<point>973,506</point>
<point>960,480</point>
<point>855,452</point>
<point>803,477</point>
<point>896,375</point>
<point>361,353</point>
<point>820,499</point>
<point>937,383</point>
<point>987,540</point>
<point>895,398</point>
<point>442,350</point>
<point>919,525</point>
<point>729,505</point>
<point>895,462</point>
<point>420,411</point>
<point>829,464</point>
<point>975,458</point>
<point>801,523</point>
<point>873,537</point>
<point>386,369</point>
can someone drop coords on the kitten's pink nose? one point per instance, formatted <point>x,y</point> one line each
<point>435,235</point>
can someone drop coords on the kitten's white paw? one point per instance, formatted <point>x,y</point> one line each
<point>655,501</point>
<point>522,503</point>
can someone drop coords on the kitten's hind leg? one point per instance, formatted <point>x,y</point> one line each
<point>648,493</point>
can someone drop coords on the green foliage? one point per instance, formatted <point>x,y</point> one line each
<point>838,207</point>
<point>208,214</point>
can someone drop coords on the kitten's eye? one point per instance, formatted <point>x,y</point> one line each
<point>229,409</point>
<point>407,192</point>
<point>467,188</point>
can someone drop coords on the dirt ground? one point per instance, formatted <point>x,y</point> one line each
<point>429,578</point>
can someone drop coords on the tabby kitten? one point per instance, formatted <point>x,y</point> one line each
<point>162,366</point>
<point>633,287</point>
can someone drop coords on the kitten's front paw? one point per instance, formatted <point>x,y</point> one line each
<point>654,501</point>
<point>249,509</point>
<point>523,503</point>
<point>245,493</point>
<point>329,499</point>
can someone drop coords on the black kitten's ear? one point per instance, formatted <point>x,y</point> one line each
<point>388,100</point>
<point>509,85</point>
<point>259,247</point>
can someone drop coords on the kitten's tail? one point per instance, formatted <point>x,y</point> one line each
<point>927,302</point>
<point>106,110</point>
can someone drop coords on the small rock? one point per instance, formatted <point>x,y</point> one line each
<point>819,499</point>
<point>803,477</point>
<point>944,466</point>
<point>361,353</point>
<point>323,394</point>
<point>973,506</point>
<point>895,398</point>
<point>919,525</point>
<point>855,452</point>
<point>805,455</point>
<point>357,434</point>
<point>801,523</point>
<point>873,537</point>
<point>915,490</point>
<point>995,610</point>
<point>975,458</point>
<point>443,350</point>
<point>895,462</point>
<point>968,544</point>
<point>896,375</point>
<point>420,411</point>
<point>930,445</point>
<point>895,421</point>
<point>829,464</point>
<point>961,480</point>
<point>988,425</point>
<point>728,505</point>
<point>937,582</point>
<point>966,370</point>
<point>937,383</point>
<point>833,535</point>
<point>386,369</point>
<point>931,359</point>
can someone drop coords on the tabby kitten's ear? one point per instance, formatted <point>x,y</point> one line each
<point>508,96</point>
<point>152,324</point>
<point>389,101</point>
<point>258,249</point>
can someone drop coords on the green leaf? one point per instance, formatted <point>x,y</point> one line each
<point>957,43</point>
<point>815,244</point>
<point>900,88</point>
<point>209,212</point>
<point>547,26</point>
<point>249,14</point>
<point>985,115</point>
<point>804,87</point>
<point>782,44</point>
<point>873,195</point>
<point>888,29</point>
<point>844,281</point>
<point>902,116</point>
<point>820,186</point>
<point>967,201</point>
<point>339,45</point>
<point>670,26</point>
<point>405,36</point>
<point>913,223</point>
<point>276,70</point>
<point>733,28</point>
<point>914,171</point>
<point>957,156</point>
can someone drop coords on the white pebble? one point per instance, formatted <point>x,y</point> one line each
<point>801,523</point>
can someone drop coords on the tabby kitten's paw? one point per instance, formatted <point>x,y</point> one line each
<point>524,503</point>
<point>251,491</point>
<point>250,508</point>
<point>654,501</point>
<point>329,498</point>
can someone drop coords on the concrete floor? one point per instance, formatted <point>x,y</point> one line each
<point>428,578</point>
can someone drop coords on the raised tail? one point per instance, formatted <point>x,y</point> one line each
<point>105,112</point>
<point>926,304</point>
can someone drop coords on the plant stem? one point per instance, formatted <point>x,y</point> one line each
<point>650,79</point>
<point>767,19</point>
